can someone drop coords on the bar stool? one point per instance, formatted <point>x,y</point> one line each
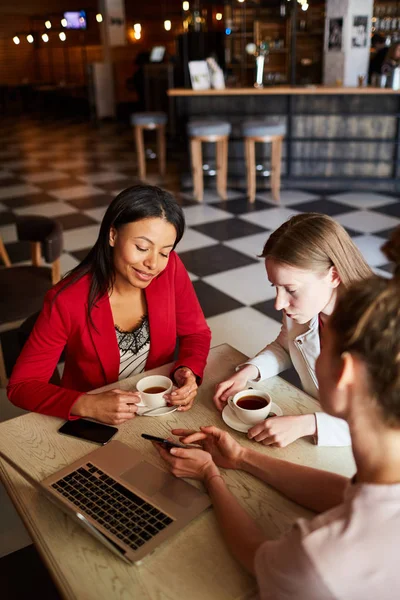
<point>149,120</point>
<point>259,131</point>
<point>207,130</point>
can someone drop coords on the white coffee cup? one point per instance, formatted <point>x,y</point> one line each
<point>154,399</point>
<point>250,416</point>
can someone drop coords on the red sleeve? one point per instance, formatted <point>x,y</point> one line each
<point>29,385</point>
<point>194,335</point>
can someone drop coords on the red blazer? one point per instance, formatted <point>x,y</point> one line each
<point>92,353</point>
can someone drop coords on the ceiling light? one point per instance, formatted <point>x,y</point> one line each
<point>62,36</point>
<point>167,25</point>
<point>48,24</point>
<point>45,37</point>
<point>29,38</point>
<point>99,18</point>
<point>16,40</point>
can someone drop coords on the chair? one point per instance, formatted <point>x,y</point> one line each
<point>257,130</point>
<point>149,120</point>
<point>22,288</point>
<point>24,331</point>
<point>207,130</point>
<point>3,254</point>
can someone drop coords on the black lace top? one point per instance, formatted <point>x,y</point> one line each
<point>134,348</point>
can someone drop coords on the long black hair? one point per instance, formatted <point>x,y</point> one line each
<point>133,204</point>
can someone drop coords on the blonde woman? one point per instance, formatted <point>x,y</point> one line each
<point>310,259</point>
<point>349,551</point>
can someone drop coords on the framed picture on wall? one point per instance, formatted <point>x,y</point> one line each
<point>335,34</point>
<point>359,32</point>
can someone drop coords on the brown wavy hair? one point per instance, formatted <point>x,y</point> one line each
<point>316,242</point>
<point>366,323</point>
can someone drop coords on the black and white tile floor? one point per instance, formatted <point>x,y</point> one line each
<point>71,171</point>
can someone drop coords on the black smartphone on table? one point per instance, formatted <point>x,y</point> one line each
<point>89,431</point>
<point>167,444</point>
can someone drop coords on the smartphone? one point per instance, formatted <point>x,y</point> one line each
<point>167,444</point>
<point>89,430</point>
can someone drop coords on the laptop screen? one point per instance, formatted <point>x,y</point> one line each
<point>157,54</point>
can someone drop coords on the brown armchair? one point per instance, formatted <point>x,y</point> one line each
<point>22,288</point>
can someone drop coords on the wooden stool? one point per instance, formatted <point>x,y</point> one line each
<point>206,130</point>
<point>4,255</point>
<point>259,131</point>
<point>149,120</point>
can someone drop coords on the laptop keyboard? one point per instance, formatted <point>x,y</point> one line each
<point>124,514</point>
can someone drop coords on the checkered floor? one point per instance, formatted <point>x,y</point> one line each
<point>71,171</point>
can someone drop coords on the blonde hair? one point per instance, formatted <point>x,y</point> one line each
<point>316,242</point>
<point>366,322</point>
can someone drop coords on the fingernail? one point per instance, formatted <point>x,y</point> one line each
<point>173,394</point>
<point>173,451</point>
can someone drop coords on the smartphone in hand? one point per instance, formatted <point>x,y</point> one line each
<point>167,444</point>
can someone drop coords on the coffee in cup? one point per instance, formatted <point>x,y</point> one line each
<point>251,406</point>
<point>152,390</point>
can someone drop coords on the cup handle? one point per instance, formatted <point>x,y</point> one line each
<point>231,403</point>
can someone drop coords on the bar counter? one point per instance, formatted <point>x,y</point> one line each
<point>283,91</point>
<point>345,134</point>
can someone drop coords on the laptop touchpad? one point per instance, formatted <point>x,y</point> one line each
<point>146,478</point>
<point>151,480</point>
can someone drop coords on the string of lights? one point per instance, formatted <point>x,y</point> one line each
<point>52,24</point>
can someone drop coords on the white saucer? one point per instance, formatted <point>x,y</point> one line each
<point>156,412</point>
<point>229,417</point>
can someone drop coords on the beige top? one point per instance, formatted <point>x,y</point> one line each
<point>347,553</point>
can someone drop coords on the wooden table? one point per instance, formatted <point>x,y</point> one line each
<point>194,564</point>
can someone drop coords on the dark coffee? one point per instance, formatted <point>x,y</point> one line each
<point>155,390</point>
<point>252,403</point>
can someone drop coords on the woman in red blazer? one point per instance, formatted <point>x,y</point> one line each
<point>119,312</point>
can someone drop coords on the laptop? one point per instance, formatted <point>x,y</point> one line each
<point>125,502</point>
<point>157,54</point>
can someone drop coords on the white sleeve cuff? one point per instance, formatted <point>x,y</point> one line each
<point>332,431</point>
<point>243,365</point>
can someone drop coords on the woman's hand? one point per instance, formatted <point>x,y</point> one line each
<point>236,383</point>
<point>184,396</point>
<point>195,464</point>
<point>225,451</point>
<point>113,407</point>
<point>282,431</point>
